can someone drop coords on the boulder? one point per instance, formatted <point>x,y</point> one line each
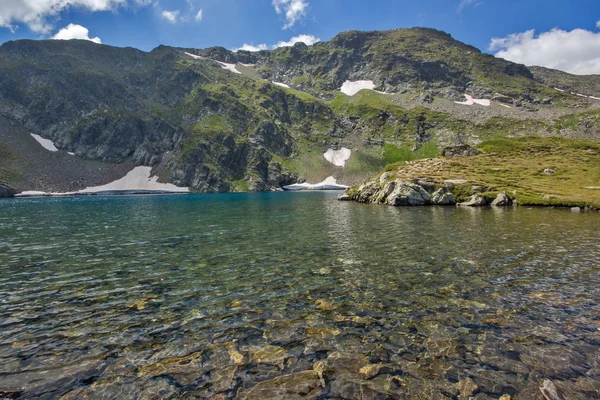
<point>476,201</point>
<point>443,198</point>
<point>6,191</point>
<point>460,151</point>
<point>345,197</point>
<point>408,194</point>
<point>502,200</point>
<point>549,171</point>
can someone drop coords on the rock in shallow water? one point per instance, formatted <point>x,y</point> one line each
<point>408,194</point>
<point>502,200</point>
<point>475,201</point>
<point>442,198</point>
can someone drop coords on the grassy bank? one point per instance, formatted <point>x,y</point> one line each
<point>520,167</point>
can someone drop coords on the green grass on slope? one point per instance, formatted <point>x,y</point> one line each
<point>517,167</point>
<point>393,154</point>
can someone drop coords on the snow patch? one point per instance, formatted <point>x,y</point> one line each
<point>595,98</point>
<point>504,105</point>
<point>581,95</point>
<point>30,193</point>
<point>350,88</point>
<point>46,143</point>
<point>137,179</point>
<point>471,101</point>
<point>71,154</point>
<point>228,67</point>
<point>194,56</point>
<point>560,90</point>
<point>248,65</point>
<point>281,84</point>
<point>338,157</point>
<point>328,184</point>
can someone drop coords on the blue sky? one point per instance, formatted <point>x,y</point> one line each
<point>145,24</point>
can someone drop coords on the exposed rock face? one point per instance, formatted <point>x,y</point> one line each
<point>6,191</point>
<point>460,151</point>
<point>421,192</point>
<point>443,198</point>
<point>398,193</point>
<point>408,194</point>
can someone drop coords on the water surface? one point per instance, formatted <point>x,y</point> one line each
<point>294,295</point>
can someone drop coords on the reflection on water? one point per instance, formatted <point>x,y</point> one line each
<point>294,296</point>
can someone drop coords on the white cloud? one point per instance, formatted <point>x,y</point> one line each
<point>308,39</point>
<point>577,51</point>
<point>251,47</point>
<point>171,16</point>
<point>293,10</point>
<point>73,31</point>
<point>199,15</point>
<point>598,24</point>
<point>35,13</point>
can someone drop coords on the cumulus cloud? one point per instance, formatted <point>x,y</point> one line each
<point>292,10</point>
<point>171,16</point>
<point>251,47</point>
<point>577,51</point>
<point>308,39</point>
<point>35,13</point>
<point>199,15</point>
<point>598,24</point>
<point>73,31</point>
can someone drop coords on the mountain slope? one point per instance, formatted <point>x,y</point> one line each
<point>202,119</point>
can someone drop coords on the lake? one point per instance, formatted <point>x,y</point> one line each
<point>294,296</point>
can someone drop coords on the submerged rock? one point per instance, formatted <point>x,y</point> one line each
<point>305,385</point>
<point>550,391</point>
<point>467,388</point>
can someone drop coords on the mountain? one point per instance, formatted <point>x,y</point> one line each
<point>216,120</point>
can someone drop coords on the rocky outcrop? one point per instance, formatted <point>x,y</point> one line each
<point>422,192</point>
<point>502,200</point>
<point>460,151</point>
<point>6,191</point>
<point>443,198</point>
<point>399,193</point>
<point>475,201</point>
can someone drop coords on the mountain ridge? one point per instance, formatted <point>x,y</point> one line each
<point>213,129</point>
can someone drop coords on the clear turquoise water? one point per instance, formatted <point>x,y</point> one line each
<point>294,295</point>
